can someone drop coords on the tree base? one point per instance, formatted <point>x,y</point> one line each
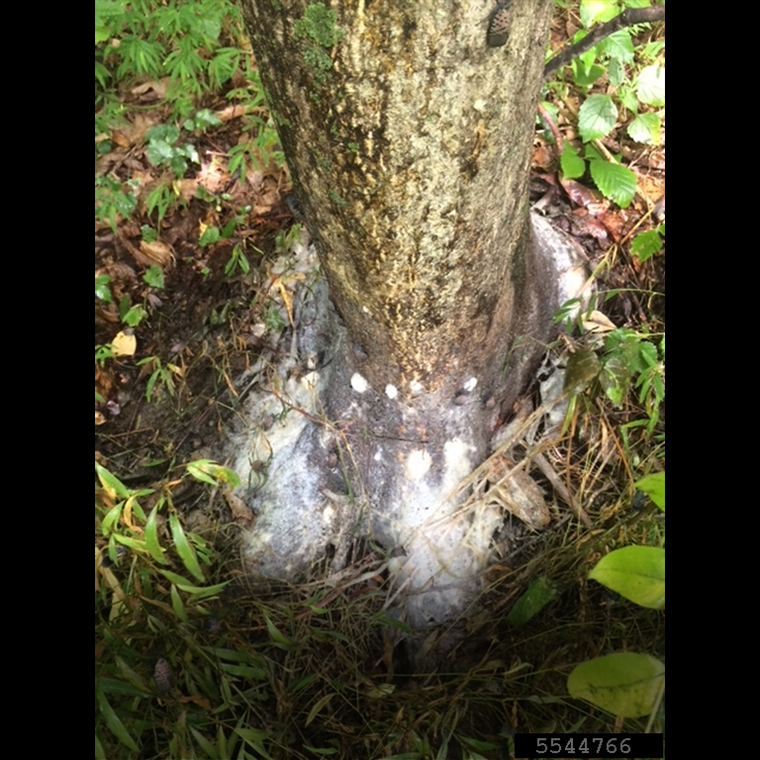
<point>328,459</point>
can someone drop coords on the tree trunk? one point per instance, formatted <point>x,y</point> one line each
<point>409,143</point>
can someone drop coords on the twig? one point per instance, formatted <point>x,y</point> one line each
<point>626,18</point>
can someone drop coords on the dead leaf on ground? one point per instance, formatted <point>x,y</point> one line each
<point>241,512</point>
<point>157,252</point>
<point>123,344</point>
<point>596,322</point>
<point>578,193</point>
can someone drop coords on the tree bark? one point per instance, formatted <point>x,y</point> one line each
<point>409,144</point>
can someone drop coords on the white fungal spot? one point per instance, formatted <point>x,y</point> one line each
<point>479,105</point>
<point>471,384</point>
<point>415,387</point>
<point>358,383</point>
<point>365,309</point>
<point>378,455</point>
<point>417,464</point>
<point>391,391</point>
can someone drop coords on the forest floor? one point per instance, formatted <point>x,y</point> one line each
<point>184,303</point>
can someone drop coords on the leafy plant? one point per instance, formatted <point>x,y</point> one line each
<point>160,377</point>
<point>143,552</point>
<point>647,243</point>
<point>612,65</point>
<point>623,359</point>
<point>178,40</point>
<point>112,199</point>
<point>627,683</point>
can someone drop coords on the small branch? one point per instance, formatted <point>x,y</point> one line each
<point>626,18</point>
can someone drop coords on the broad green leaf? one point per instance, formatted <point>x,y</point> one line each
<point>635,572</point>
<point>134,678</point>
<point>593,11</point>
<point>572,165</point>
<point>112,720</point>
<point>154,276</point>
<point>625,684</point>
<point>151,536</point>
<point>102,291</point>
<point>100,753</point>
<point>650,86</point>
<point>208,748</point>
<point>177,605</point>
<point>208,471</point>
<point>597,117</point>
<point>185,585</point>
<point>618,46</point>
<point>318,707</point>
<point>616,182</point>
<point>654,486</point>
<point>112,485</point>
<point>646,244</point>
<point>132,543</point>
<point>539,593</point>
<point>582,367</point>
<point>111,518</point>
<point>585,76</point>
<point>615,379</point>
<point>184,549</point>
<point>645,128</point>
<point>210,235</point>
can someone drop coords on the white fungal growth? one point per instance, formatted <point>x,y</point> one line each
<point>391,391</point>
<point>417,464</point>
<point>365,310</point>
<point>358,383</point>
<point>378,455</point>
<point>471,384</point>
<point>415,387</point>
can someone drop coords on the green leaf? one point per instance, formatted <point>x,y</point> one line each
<point>654,486</point>
<point>177,605</point>
<point>646,244</point>
<point>597,117</point>
<point>650,85</point>
<point>615,379</point>
<point>154,276</point>
<point>572,165</point>
<point>635,572</point>
<point>582,367</point>
<point>134,315</point>
<point>111,483</point>
<point>539,593</point>
<point>102,291</point>
<point>112,720</point>
<point>593,11</point>
<point>645,128</point>
<point>184,549</point>
<point>277,637</point>
<point>185,585</point>
<point>208,748</point>
<point>210,235</point>
<point>151,536</point>
<point>625,684</point>
<point>616,182</point>
<point>208,471</point>
<point>148,233</point>
<point>318,707</point>
<point>618,46</point>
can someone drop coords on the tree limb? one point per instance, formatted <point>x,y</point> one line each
<point>626,18</point>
